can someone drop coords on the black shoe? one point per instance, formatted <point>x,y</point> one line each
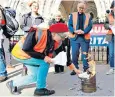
<point>73,73</point>
<point>57,68</point>
<point>43,92</point>
<point>12,89</point>
<point>3,78</point>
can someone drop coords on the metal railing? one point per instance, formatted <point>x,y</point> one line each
<point>99,53</point>
<point>14,40</point>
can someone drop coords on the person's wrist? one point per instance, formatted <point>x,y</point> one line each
<point>45,57</point>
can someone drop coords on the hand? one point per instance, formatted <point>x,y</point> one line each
<point>77,31</point>
<point>81,32</point>
<point>78,71</point>
<point>48,59</point>
<point>72,67</point>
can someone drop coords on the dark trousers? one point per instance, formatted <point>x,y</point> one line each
<point>59,68</point>
<point>75,53</point>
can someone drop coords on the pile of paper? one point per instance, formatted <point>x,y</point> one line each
<point>60,59</point>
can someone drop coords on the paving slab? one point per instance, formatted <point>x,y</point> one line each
<point>64,84</point>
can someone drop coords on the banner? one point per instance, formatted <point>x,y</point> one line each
<point>98,34</point>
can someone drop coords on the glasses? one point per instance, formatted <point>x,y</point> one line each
<point>58,17</point>
<point>63,36</point>
<point>35,6</point>
<point>81,8</point>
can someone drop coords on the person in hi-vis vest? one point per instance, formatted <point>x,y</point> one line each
<point>80,24</point>
<point>35,50</point>
<point>110,26</point>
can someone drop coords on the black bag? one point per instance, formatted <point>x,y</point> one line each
<point>28,45</point>
<point>11,26</point>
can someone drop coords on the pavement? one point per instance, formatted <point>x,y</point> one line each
<point>64,84</point>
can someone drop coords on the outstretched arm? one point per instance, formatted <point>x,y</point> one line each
<point>72,67</point>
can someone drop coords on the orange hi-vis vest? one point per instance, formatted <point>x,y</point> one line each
<point>39,47</point>
<point>111,22</point>
<point>75,19</point>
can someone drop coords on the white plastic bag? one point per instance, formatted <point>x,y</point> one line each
<point>60,59</point>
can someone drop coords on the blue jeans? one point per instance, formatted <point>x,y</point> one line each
<point>3,71</point>
<point>75,53</point>
<point>37,72</point>
<point>111,52</point>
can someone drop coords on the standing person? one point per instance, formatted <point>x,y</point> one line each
<point>36,54</point>
<point>58,67</point>
<point>3,72</point>
<point>80,24</point>
<point>30,21</point>
<point>58,19</point>
<point>7,51</point>
<point>10,13</point>
<point>110,36</point>
<point>9,26</point>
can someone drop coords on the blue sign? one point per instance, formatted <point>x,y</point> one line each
<point>98,40</point>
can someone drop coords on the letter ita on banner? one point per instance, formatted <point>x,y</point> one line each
<point>98,34</point>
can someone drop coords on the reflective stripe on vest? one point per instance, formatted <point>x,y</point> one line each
<point>110,32</point>
<point>111,22</point>
<point>39,47</point>
<point>75,18</point>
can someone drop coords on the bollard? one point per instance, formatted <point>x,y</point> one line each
<point>89,85</point>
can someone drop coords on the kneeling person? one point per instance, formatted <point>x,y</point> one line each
<point>35,50</point>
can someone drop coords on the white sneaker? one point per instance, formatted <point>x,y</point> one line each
<point>111,71</point>
<point>84,75</point>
